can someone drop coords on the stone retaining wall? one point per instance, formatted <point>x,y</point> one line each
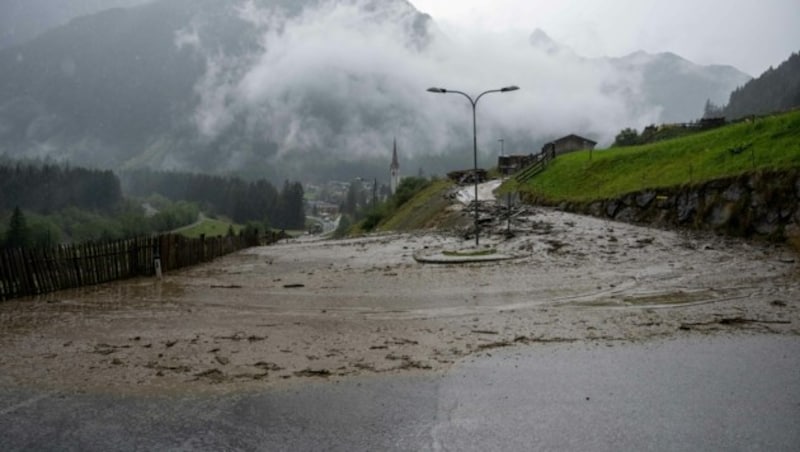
<point>765,204</point>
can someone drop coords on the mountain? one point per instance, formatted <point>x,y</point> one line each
<point>141,86</point>
<point>542,41</point>
<point>671,83</point>
<point>22,20</point>
<point>775,90</point>
<point>677,85</point>
<point>313,89</point>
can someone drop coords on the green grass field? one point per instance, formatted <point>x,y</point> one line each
<point>210,227</point>
<point>774,143</point>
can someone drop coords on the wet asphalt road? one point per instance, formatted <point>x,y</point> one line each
<point>691,393</point>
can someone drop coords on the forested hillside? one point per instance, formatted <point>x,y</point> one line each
<point>48,188</point>
<point>54,204</point>
<point>229,196</point>
<point>775,90</point>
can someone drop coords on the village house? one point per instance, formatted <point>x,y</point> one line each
<point>510,164</point>
<point>569,143</point>
<point>323,208</point>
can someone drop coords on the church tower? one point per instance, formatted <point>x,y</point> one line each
<point>394,170</point>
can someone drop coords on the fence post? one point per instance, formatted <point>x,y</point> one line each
<point>157,261</point>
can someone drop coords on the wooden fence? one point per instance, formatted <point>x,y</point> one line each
<point>25,272</point>
<point>538,165</point>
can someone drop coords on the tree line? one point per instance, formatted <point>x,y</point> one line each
<point>240,200</point>
<point>47,188</point>
<point>777,89</point>
<point>43,204</point>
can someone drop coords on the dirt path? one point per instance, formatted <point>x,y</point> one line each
<point>329,309</point>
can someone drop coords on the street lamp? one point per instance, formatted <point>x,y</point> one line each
<point>474,136</point>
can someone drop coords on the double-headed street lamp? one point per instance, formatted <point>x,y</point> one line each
<point>474,136</point>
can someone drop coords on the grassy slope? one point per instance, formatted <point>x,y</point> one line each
<point>699,157</point>
<point>419,211</point>
<point>211,228</point>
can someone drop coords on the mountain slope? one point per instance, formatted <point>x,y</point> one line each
<point>312,89</point>
<point>125,85</point>
<point>22,20</point>
<point>679,86</point>
<point>775,90</point>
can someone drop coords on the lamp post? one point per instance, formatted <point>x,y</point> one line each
<point>506,171</point>
<point>474,104</point>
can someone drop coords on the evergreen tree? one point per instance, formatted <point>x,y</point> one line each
<point>18,235</point>
<point>711,110</point>
<point>291,206</point>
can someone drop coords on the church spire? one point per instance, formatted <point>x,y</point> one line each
<point>395,162</point>
<point>394,169</point>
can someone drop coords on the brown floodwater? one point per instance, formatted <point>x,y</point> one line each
<point>311,309</point>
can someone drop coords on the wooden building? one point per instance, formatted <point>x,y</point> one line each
<point>510,164</point>
<point>569,143</point>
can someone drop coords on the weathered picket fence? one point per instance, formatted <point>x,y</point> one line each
<point>26,272</point>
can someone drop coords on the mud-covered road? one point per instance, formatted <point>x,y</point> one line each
<point>309,310</point>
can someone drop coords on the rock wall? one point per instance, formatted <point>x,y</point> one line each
<point>765,204</point>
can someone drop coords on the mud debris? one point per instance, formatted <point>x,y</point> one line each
<point>367,307</point>
<point>271,367</point>
<point>324,373</point>
<point>732,321</point>
<point>214,375</point>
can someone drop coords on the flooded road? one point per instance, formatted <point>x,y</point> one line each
<point>721,392</point>
<point>594,336</point>
<point>308,311</point>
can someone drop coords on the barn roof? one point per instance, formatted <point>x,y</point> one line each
<point>572,135</point>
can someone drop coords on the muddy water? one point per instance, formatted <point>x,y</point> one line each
<point>330,309</point>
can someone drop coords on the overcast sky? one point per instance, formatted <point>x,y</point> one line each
<point>748,34</point>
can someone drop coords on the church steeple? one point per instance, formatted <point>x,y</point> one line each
<point>395,163</point>
<point>394,169</point>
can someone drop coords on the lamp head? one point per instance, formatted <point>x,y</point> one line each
<point>437,90</point>
<point>509,88</point>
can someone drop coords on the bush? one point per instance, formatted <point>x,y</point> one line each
<point>373,218</point>
<point>627,137</point>
<point>174,216</point>
<point>44,233</point>
<point>409,187</point>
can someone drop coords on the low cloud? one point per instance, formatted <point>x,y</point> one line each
<point>347,77</point>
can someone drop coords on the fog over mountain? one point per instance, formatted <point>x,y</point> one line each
<point>21,20</point>
<point>317,89</point>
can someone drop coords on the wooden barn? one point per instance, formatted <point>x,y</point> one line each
<point>569,143</point>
